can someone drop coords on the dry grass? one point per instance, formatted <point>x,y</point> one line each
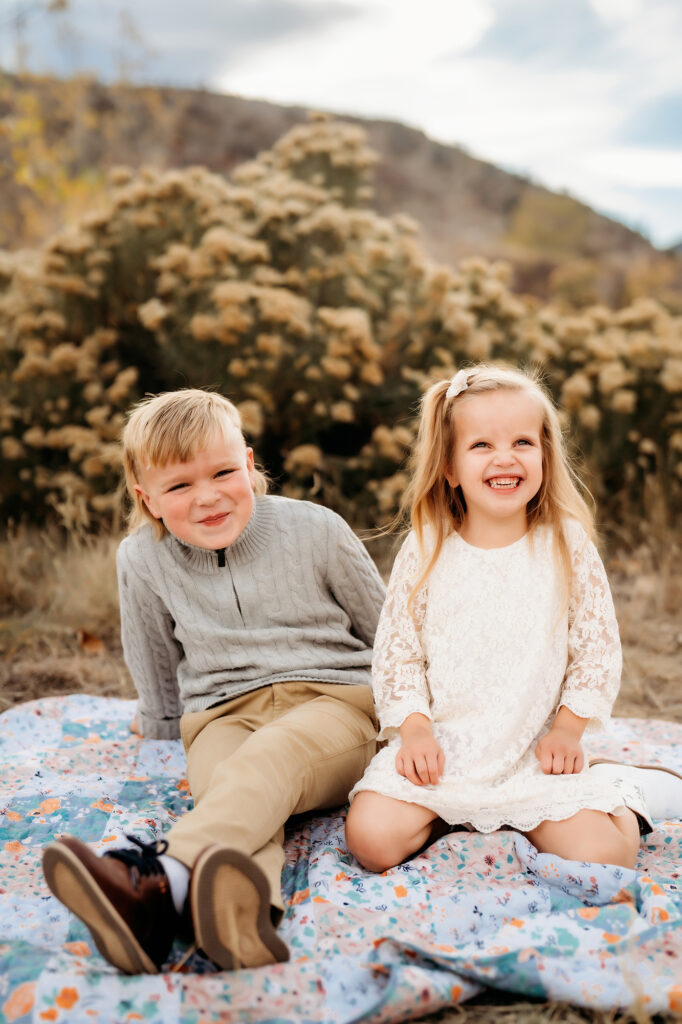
<point>59,634</point>
<point>502,1008</point>
<point>59,619</point>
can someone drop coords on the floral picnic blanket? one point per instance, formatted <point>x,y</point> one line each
<point>473,911</point>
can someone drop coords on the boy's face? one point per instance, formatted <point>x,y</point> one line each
<point>208,500</point>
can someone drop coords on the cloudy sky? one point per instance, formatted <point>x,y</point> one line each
<point>581,95</point>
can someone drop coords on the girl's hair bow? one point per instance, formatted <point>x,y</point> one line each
<point>458,384</point>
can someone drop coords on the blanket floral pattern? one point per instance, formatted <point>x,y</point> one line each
<point>474,911</point>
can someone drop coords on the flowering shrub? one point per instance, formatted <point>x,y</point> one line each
<point>322,320</point>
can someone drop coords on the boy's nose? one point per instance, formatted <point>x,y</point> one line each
<point>207,494</point>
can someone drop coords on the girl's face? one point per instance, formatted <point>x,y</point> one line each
<point>497,462</point>
<point>208,500</point>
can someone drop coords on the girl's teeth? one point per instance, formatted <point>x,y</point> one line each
<point>504,483</point>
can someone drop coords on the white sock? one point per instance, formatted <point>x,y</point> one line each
<point>661,789</point>
<point>178,879</point>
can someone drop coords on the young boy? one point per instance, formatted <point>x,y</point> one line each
<point>247,624</point>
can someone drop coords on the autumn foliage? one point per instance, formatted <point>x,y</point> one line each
<point>321,319</point>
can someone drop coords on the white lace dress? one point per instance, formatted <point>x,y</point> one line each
<point>489,654</point>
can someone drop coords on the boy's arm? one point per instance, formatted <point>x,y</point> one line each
<point>355,581</point>
<point>151,653</point>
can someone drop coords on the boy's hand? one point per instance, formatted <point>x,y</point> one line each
<point>559,752</point>
<point>135,726</point>
<point>420,758</point>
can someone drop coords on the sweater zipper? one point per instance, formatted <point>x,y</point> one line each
<point>221,565</point>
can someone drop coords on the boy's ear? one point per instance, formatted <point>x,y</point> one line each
<point>148,500</point>
<point>250,466</point>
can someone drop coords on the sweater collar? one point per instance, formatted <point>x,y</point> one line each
<point>253,539</point>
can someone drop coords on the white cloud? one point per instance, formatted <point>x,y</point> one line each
<point>557,109</point>
<point>391,38</point>
<point>634,167</point>
<point>415,64</point>
<point>614,11</point>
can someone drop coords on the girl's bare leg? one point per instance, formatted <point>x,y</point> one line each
<point>590,836</point>
<point>382,832</point>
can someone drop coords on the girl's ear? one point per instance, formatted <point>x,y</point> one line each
<point>148,500</point>
<point>450,476</point>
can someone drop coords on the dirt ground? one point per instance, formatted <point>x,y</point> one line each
<point>59,634</point>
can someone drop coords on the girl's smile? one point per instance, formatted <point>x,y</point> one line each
<point>506,483</point>
<point>497,464</point>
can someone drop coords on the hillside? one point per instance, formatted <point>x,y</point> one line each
<point>59,138</point>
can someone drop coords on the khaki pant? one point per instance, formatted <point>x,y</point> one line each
<point>253,761</point>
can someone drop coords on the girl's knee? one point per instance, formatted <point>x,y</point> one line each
<point>378,836</point>
<point>365,841</point>
<point>590,836</point>
<point>373,853</point>
<point>617,841</point>
<point>616,850</point>
<point>628,830</point>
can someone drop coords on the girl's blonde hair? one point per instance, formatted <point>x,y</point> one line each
<point>434,504</point>
<point>174,427</point>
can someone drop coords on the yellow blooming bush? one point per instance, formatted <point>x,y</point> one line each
<point>322,320</point>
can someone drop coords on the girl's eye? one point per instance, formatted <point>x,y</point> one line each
<point>479,444</point>
<point>524,440</point>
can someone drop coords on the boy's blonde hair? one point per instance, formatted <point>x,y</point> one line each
<point>174,427</point>
<point>433,503</point>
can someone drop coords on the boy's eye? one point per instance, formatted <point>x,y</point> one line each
<point>176,487</point>
<point>224,472</point>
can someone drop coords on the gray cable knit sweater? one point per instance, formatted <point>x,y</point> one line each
<point>296,597</point>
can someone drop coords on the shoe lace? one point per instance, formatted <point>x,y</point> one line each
<point>141,861</point>
<point>177,967</point>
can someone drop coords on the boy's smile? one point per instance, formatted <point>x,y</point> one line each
<point>497,463</point>
<point>208,500</point>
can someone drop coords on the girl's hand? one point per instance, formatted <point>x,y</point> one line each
<point>420,758</point>
<point>559,752</point>
<point>135,726</point>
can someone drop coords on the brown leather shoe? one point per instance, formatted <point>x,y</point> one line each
<point>123,898</point>
<point>230,902</point>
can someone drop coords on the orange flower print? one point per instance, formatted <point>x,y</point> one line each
<point>20,1002</point>
<point>66,998</point>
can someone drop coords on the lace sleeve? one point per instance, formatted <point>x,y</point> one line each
<point>594,654</point>
<point>398,664</point>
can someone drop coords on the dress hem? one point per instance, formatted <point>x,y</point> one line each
<point>557,814</point>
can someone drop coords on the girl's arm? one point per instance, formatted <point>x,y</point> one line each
<point>401,691</point>
<point>592,677</point>
<point>420,758</point>
<point>559,751</point>
<point>151,653</point>
<point>398,664</point>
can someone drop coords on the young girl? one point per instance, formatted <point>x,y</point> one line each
<point>497,645</point>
